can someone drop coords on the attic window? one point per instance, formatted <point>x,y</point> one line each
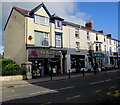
<point>58,24</point>
<point>41,20</point>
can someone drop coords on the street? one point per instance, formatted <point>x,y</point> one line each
<point>99,88</point>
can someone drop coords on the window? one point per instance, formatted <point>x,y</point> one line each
<point>77,46</point>
<point>114,42</point>
<point>96,36</point>
<point>97,47</point>
<point>105,48</point>
<point>119,52</point>
<point>58,40</point>
<point>118,43</point>
<point>110,41</point>
<point>41,20</point>
<point>104,39</point>
<point>58,24</point>
<point>100,47</point>
<point>77,33</point>
<point>88,35</point>
<point>41,39</point>
<point>110,50</point>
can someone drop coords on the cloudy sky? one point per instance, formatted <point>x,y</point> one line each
<point>69,10</point>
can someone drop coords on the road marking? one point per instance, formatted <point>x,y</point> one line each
<point>66,88</point>
<point>13,95</point>
<point>43,91</point>
<point>46,103</point>
<point>116,93</point>
<point>23,85</point>
<point>100,82</point>
<point>98,91</point>
<point>77,96</point>
<point>111,87</point>
<point>7,90</point>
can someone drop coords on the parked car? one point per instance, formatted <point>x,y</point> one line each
<point>109,67</point>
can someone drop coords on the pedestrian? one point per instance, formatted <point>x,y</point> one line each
<point>95,67</point>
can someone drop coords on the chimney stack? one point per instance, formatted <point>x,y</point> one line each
<point>101,31</point>
<point>88,25</point>
<point>109,35</point>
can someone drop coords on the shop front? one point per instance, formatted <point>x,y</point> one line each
<point>99,58</point>
<point>43,61</point>
<point>77,61</point>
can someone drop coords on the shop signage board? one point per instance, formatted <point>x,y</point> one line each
<point>98,55</point>
<point>43,53</point>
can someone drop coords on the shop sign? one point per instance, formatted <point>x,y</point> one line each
<point>98,55</point>
<point>43,53</point>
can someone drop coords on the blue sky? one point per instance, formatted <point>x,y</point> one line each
<point>104,15</point>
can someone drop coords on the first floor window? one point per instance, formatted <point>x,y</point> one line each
<point>77,46</point>
<point>110,50</point>
<point>41,39</point>
<point>58,40</point>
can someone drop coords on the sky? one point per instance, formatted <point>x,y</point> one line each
<point>104,15</point>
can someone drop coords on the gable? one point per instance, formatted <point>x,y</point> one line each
<point>41,12</point>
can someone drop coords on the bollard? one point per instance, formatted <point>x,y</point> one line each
<point>69,73</point>
<point>51,73</point>
<point>105,71</point>
<point>83,72</point>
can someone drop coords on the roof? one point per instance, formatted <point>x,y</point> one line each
<point>28,13</point>
<point>71,24</point>
<point>54,16</point>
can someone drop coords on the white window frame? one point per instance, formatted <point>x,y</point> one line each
<point>77,33</point>
<point>77,46</point>
<point>56,24</point>
<point>38,20</point>
<point>58,39</point>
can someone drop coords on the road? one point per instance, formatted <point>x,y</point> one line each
<point>99,88</point>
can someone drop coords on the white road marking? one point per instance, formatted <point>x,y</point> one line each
<point>100,81</point>
<point>66,88</point>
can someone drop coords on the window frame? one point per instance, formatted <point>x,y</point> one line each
<point>61,43</point>
<point>43,33</point>
<point>46,20</point>
<point>56,24</point>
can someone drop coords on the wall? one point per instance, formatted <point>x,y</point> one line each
<point>14,38</point>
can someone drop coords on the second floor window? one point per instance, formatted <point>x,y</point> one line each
<point>96,36</point>
<point>88,35</point>
<point>41,20</point>
<point>110,41</point>
<point>41,39</point>
<point>58,24</point>
<point>77,33</point>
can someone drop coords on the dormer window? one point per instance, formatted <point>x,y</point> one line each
<point>58,24</point>
<point>41,20</point>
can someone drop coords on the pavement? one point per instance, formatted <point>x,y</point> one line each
<point>7,84</point>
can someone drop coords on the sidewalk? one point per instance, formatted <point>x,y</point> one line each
<point>47,79</point>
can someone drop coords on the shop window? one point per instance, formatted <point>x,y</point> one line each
<point>58,24</point>
<point>58,40</point>
<point>73,63</point>
<point>41,39</point>
<point>77,33</point>
<point>41,20</point>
